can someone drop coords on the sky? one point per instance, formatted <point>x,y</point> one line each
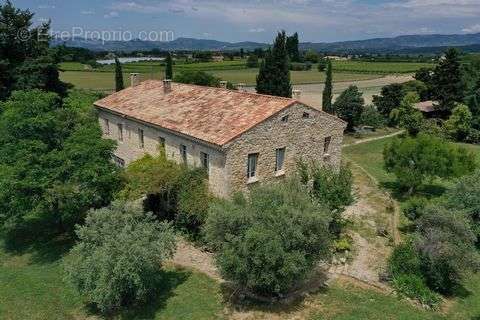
<point>255,20</point>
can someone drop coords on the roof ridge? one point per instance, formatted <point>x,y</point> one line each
<point>226,89</point>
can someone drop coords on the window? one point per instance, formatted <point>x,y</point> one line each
<point>280,159</point>
<point>141,139</point>
<point>306,115</point>
<point>119,161</point>
<point>120,131</point>
<point>161,142</point>
<point>205,158</point>
<point>326,145</point>
<point>183,153</point>
<point>252,165</point>
<point>106,129</point>
<point>285,118</point>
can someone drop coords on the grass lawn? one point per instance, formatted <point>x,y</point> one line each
<point>32,288</point>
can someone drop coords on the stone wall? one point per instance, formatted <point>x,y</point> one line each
<point>302,137</point>
<point>129,149</point>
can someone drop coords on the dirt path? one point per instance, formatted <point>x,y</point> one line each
<point>373,139</point>
<point>312,93</point>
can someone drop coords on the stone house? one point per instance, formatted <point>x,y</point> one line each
<point>240,138</point>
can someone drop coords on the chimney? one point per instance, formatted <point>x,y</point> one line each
<point>223,84</point>
<point>134,79</point>
<point>296,94</point>
<point>167,85</point>
<point>241,87</point>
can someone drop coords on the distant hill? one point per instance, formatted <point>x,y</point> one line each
<point>401,44</point>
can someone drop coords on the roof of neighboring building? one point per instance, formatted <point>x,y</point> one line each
<point>425,106</point>
<point>214,115</point>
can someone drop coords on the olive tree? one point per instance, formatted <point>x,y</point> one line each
<point>271,241</point>
<point>119,255</point>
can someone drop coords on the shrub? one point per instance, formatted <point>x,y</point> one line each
<point>405,260</point>
<point>173,192</point>
<point>197,77</point>
<point>371,117</point>
<point>459,124</point>
<point>414,287</point>
<point>296,66</point>
<point>446,244</point>
<point>252,61</point>
<point>349,106</point>
<point>413,208</point>
<point>118,257</point>
<point>413,160</point>
<point>271,241</point>
<point>333,188</point>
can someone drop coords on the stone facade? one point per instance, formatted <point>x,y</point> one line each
<point>300,130</point>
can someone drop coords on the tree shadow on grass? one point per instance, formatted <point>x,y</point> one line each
<point>429,191</point>
<point>43,249</point>
<point>165,284</point>
<point>243,301</point>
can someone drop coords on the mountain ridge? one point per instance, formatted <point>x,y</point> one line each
<point>374,45</point>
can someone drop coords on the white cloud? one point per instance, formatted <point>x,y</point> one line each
<point>256,30</point>
<point>472,29</point>
<point>112,14</point>
<point>87,12</point>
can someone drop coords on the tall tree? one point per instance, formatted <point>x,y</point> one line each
<point>26,61</point>
<point>118,76</point>
<point>274,75</point>
<point>292,47</point>
<point>328,90</point>
<point>390,98</point>
<point>242,53</point>
<point>349,106</point>
<point>448,84</point>
<point>54,163</point>
<point>169,67</point>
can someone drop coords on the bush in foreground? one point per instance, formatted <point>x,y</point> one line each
<point>119,256</point>
<point>270,242</point>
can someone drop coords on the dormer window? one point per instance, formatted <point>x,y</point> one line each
<point>285,118</point>
<point>306,115</point>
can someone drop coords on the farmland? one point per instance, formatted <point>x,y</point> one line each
<point>235,71</point>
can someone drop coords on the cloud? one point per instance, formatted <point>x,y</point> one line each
<point>112,14</point>
<point>472,29</point>
<point>46,6</point>
<point>256,30</point>
<point>87,12</point>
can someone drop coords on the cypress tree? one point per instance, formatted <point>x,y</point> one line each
<point>169,67</point>
<point>328,90</point>
<point>292,47</point>
<point>118,76</point>
<point>448,84</point>
<point>274,76</point>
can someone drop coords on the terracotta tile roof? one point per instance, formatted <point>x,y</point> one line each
<point>214,115</point>
<point>425,106</point>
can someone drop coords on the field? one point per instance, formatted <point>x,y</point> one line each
<point>235,71</point>
<point>378,67</point>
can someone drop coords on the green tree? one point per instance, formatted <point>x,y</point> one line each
<point>473,102</point>
<point>407,116</point>
<point>425,75</point>
<point>54,163</point>
<point>459,124</point>
<point>292,47</point>
<point>390,98</point>
<point>414,160</point>
<point>349,106</point>
<point>118,258</point>
<point>200,78</point>
<point>446,244</point>
<point>26,61</point>
<point>271,241</point>
<point>169,67</point>
<point>242,53</point>
<point>327,95</point>
<point>372,118</point>
<point>311,56</point>
<point>252,61</point>
<point>464,196</point>
<point>322,64</point>
<point>118,76</point>
<point>448,84</point>
<point>274,75</point>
